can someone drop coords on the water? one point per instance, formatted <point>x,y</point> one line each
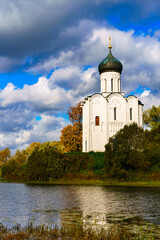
<point>100,205</point>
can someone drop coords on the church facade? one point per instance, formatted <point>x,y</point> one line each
<point>105,113</point>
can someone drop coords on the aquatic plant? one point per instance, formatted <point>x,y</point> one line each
<point>75,232</point>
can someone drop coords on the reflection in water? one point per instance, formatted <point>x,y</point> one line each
<point>100,205</point>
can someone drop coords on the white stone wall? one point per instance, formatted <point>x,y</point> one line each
<point>106,82</point>
<point>98,133</point>
<point>95,137</point>
<point>106,105</point>
<point>118,102</point>
<point>140,114</point>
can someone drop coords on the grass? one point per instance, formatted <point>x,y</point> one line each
<point>104,180</point>
<point>74,232</point>
<point>98,181</point>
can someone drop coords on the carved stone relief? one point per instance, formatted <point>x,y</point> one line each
<point>115,103</point>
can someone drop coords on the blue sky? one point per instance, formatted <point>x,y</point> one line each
<point>49,54</point>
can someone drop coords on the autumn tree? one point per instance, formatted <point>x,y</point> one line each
<point>57,146</point>
<point>71,135</point>
<point>151,117</point>
<point>19,157</point>
<point>4,156</point>
<point>75,114</point>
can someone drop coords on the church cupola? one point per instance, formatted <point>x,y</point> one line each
<point>110,63</point>
<point>110,71</point>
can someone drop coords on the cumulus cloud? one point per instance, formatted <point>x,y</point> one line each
<point>145,93</point>
<point>68,39</point>
<point>20,107</point>
<point>140,56</point>
<point>149,99</point>
<point>47,129</point>
<point>39,96</point>
<point>69,82</point>
<point>38,28</point>
<point>65,86</point>
<point>48,124</point>
<point>46,29</point>
<point>48,98</point>
<point>78,81</point>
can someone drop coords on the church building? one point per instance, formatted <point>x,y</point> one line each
<point>105,113</point>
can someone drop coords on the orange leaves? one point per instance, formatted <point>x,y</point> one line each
<point>71,136</point>
<point>75,113</point>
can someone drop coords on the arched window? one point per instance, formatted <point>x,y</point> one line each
<point>112,85</point>
<point>97,120</point>
<point>130,113</point>
<point>115,114</point>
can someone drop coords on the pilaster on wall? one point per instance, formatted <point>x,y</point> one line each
<point>110,82</point>
<point>140,115</point>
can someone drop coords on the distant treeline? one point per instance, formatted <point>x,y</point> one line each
<point>131,150</point>
<point>45,162</point>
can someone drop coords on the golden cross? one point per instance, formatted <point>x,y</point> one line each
<point>110,42</point>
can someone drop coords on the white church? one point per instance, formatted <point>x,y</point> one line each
<point>105,113</point>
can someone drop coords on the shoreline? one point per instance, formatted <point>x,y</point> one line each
<point>108,182</point>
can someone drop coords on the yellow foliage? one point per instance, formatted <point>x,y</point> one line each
<point>4,156</point>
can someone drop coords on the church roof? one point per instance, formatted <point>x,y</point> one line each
<point>110,63</point>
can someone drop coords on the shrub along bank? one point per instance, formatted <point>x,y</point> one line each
<point>130,155</point>
<point>46,163</point>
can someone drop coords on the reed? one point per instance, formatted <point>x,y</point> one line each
<point>74,232</point>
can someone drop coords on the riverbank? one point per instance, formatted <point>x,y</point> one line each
<point>75,232</point>
<point>99,183</point>
<point>147,180</point>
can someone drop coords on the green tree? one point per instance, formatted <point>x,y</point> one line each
<point>151,117</point>
<point>152,145</point>
<point>9,168</point>
<point>45,163</point>
<point>125,151</point>
<point>71,135</point>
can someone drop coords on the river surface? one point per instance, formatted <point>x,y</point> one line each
<point>100,205</point>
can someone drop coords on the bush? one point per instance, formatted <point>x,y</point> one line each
<point>45,163</point>
<point>9,168</point>
<point>124,151</point>
<point>79,162</point>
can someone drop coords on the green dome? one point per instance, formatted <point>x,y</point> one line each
<point>110,63</point>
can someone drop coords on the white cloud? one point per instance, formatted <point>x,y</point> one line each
<point>47,98</point>
<point>47,129</point>
<point>65,86</point>
<point>69,83</point>
<point>65,40</point>
<point>49,64</point>
<point>145,93</point>
<point>140,56</point>
<point>39,95</point>
<point>149,99</point>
